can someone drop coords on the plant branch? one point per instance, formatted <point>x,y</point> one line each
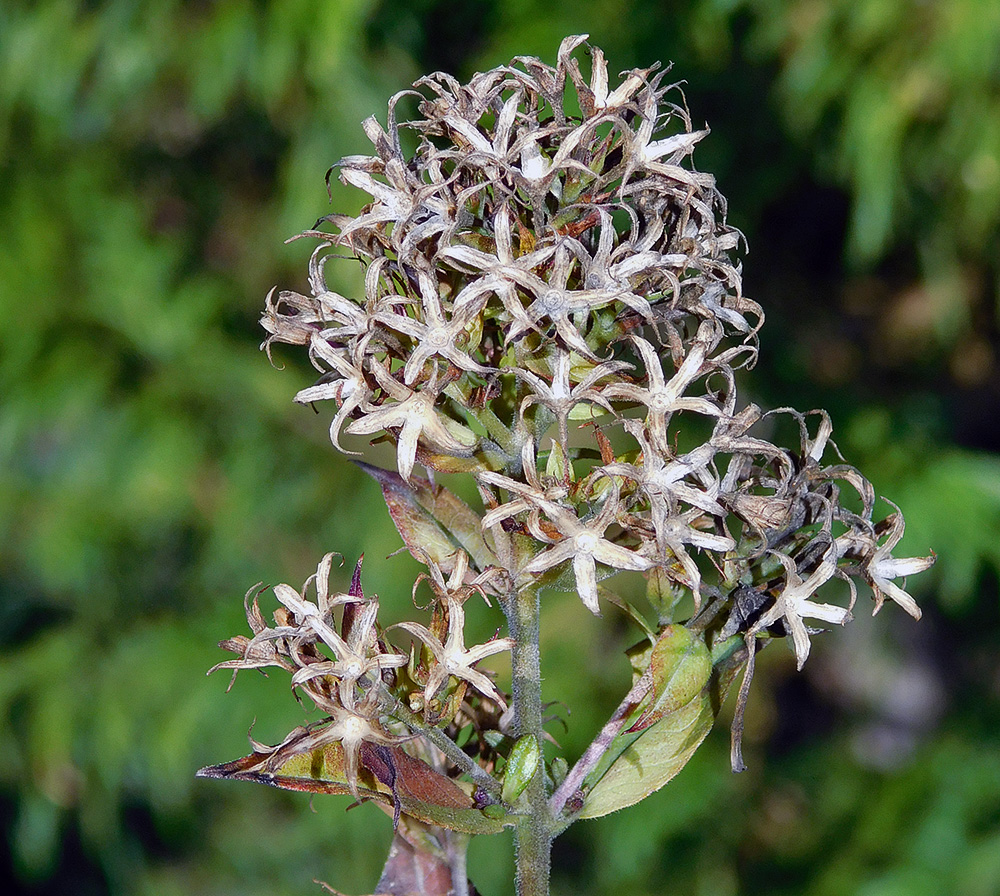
<point>599,746</point>
<point>457,849</point>
<point>399,711</point>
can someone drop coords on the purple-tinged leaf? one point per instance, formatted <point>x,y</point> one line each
<point>432,521</point>
<point>412,870</point>
<point>388,775</point>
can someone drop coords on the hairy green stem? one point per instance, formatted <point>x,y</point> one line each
<point>498,430</point>
<point>533,833</point>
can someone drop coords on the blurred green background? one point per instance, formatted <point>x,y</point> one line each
<point>153,157</point>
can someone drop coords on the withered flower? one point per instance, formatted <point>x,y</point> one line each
<point>583,543</point>
<point>882,567</point>
<point>451,657</point>
<point>345,383</point>
<point>260,650</point>
<point>412,413</point>
<point>794,603</point>
<point>561,399</point>
<point>349,728</point>
<point>662,397</point>
<point>358,657</point>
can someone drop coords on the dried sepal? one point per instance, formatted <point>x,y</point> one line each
<point>258,651</point>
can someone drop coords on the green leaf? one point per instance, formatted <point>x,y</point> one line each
<point>641,760</point>
<point>656,755</point>
<point>432,521</point>
<point>681,667</point>
<point>413,785</point>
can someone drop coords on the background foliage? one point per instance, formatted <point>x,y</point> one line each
<point>152,466</point>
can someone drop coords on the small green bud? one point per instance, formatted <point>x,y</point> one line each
<point>521,767</point>
<point>559,769</point>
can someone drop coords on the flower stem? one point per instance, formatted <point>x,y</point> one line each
<point>533,833</point>
<point>494,426</point>
<point>414,721</point>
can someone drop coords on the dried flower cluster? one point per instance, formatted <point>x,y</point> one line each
<point>551,304</point>
<point>350,674</point>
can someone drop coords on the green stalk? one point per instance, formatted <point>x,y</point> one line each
<point>415,722</point>
<point>533,833</point>
<point>494,426</point>
<point>498,430</point>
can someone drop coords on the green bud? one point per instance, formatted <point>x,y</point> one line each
<point>521,767</point>
<point>559,769</point>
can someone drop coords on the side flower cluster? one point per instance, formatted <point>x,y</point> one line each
<point>367,691</point>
